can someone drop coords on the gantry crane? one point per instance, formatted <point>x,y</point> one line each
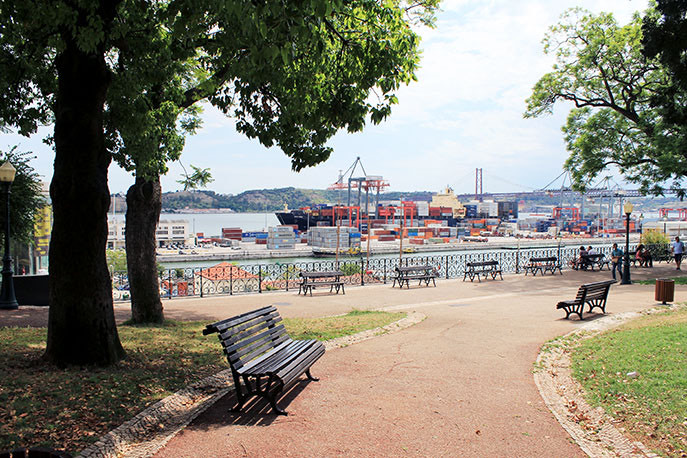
<point>365,182</point>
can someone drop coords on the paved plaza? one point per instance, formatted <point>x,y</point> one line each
<point>458,383</point>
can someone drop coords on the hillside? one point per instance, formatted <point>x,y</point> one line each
<point>268,200</point>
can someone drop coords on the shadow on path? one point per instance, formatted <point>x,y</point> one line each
<point>256,412</point>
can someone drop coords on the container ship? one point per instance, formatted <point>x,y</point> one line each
<point>444,208</point>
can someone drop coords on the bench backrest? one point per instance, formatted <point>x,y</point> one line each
<point>547,259</point>
<point>322,274</point>
<point>482,263</point>
<point>413,268</point>
<point>591,291</point>
<point>250,335</point>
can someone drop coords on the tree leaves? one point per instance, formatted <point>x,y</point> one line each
<point>600,68</point>
<point>198,179</point>
<point>26,197</point>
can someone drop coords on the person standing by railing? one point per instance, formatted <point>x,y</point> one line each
<point>678,248</point>
<point>616,261</point>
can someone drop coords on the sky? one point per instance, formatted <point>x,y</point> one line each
<point>465,112</point>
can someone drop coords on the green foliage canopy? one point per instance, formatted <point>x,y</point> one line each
<point>116,260</point>
<point>291,74</point>
<point>654,237</point>
<point>26,197</point>
<point>665,38</point>
<point>601,69</point>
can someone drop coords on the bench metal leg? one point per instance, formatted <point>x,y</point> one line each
<point>309,375</point>
<point>275,407</point>
<point>238,390</point>
<point>600,303</point>
<point>570,310</point>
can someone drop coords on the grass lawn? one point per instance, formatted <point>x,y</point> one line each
<point>653,406</point>
<point>70,408</point>
<point>678,281</point>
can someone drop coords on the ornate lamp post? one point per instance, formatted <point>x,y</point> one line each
<point>7,299</point>
<point>627,208</point>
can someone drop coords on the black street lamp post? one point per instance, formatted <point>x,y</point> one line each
<point>626,280</point>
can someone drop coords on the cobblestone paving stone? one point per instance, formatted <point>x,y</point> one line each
<point>152,428</point>
<point>592,429</point>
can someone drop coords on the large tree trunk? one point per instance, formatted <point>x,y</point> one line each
<point>143,205</point>
<point>81,326</point>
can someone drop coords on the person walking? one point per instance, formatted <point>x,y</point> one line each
<point>678,249</point>
<point>617,261</point>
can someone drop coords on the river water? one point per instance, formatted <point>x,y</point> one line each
<point>211,224</point>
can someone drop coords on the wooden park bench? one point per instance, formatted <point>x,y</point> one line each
<point>264,360</point>
<point>484,269</point>
<point>588,261</point>
<point>543,265</point>
<point>312,280</point>
<point>423,273</point>
<point>594,294</point>
<point>591,260</point>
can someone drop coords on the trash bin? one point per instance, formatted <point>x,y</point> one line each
<point>665,290</point>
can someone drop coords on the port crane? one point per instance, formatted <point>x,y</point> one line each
<point>365,182</point>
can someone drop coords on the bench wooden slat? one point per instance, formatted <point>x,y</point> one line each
<point>246,345</point>
<point>297,365</point>
<point>276,360</point>
<point>234,321</point>
<point>258,351</point>
<point>238,333</point>
<point>264,360</point>
<point>247,367</point>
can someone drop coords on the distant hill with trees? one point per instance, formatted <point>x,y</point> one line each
<point>267,200</point>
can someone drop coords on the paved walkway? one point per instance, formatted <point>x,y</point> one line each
<point>459,383</point>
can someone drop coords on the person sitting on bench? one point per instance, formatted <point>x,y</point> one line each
<point>644,256</point>
<point>579,262</point>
